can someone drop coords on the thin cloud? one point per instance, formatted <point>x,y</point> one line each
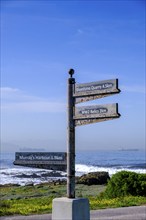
<point>134,88</point>
<point>39,106</point>
<point>8,90</point>
<point>15,100</point>
<point>80,31</point>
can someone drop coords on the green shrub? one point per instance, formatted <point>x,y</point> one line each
<point>4,204</point>
<point>126,183</point>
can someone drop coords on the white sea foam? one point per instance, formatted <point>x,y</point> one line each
<point>82,169</point>
<point>24,175</point>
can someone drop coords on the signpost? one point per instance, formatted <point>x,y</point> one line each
<point>72,208</point>
<point>78,93</point>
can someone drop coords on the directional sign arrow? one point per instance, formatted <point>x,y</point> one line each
<point>95,90</point>
<point>95,113</point>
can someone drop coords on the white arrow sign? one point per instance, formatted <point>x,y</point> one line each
<point>94,90</point>
<point>96,113</point>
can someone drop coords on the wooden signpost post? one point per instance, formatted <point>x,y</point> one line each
<point>78,93</point>
<point>71,208</point>
<point>71,139</point>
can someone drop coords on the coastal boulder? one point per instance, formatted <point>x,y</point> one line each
<point>29,184</point>
<point>94,178</point>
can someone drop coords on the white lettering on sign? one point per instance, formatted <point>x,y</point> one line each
<point>94,90</point>
<point>93,111</point>
<point>94,87</point>
<point>33,156</point>
<point>96,111</point>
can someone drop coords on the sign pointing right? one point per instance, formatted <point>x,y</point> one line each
<point>94,90</point>
<point>95,113</point>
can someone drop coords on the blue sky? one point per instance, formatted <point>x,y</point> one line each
<point>41,41</point>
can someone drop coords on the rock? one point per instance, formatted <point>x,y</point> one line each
<point>29,184</point>
<point>27,176</point>
<point>94,178</point>
<point>9,185</point>
<point>52,174</point>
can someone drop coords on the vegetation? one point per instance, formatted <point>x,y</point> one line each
<point>126,183</point>
<point>102,203</point>
<point>26,200</point>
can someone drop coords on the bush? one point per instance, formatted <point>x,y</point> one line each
<point>126,183</point>
<point>4,204</point>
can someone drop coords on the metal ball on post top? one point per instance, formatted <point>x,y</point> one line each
<point>71,72</point>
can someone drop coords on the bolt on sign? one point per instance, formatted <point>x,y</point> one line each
<point>95,90</point>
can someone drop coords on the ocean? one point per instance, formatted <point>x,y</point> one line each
<point>87,161</point>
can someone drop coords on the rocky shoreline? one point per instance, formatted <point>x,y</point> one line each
<point>92,178</point>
